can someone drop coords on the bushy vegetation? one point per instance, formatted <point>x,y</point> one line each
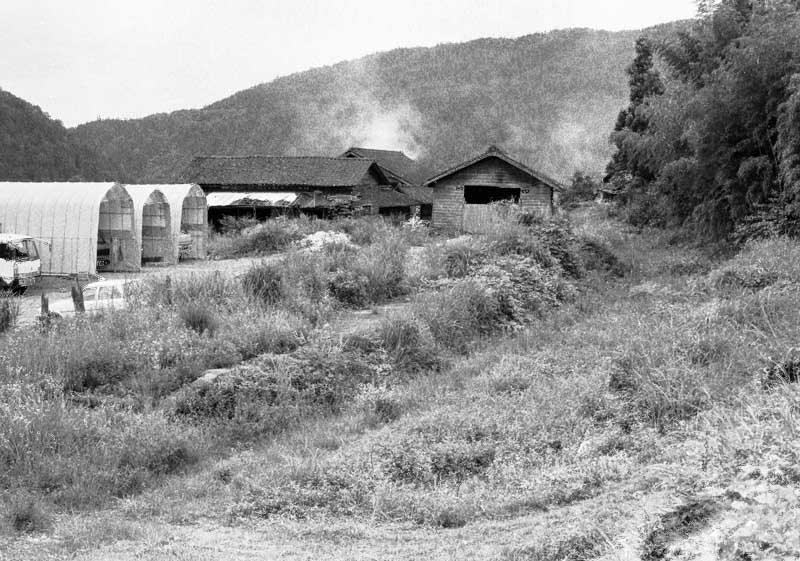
<point>79,456</point>
<point>713,142</point>
<point>658,385</point>
<point>203,360</point>
<point>246,237</point>
<point>313,282</point>
<point>581,189</point>
<point>523,384</point>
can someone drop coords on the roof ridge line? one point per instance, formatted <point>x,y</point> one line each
<point>263,156</point>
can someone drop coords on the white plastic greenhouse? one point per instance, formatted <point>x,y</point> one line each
<point>84,225</point>
<point>153,224</point>
<point>189,210</point>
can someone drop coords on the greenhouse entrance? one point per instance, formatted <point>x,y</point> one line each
<point>194,216</point>
<point>116,243</point>
<point>156,231</point>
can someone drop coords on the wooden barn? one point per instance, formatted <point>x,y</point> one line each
<point>404,173</point>
<point>462,195</point>
<point>264,186</point>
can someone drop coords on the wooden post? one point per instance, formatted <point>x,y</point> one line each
<point>168,287</point>
<point>45,305</point>
<point>77,298</point>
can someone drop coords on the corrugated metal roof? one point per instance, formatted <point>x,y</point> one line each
<point>261,198</point>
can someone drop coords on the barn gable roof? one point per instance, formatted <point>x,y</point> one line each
<point>381,197</point>
<point>495,152</point>
<point>394,161</point>
<point>423,194</point>
<point>293,171</point>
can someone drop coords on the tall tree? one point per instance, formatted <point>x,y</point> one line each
<point>645,82</point>
<point>720,142</point>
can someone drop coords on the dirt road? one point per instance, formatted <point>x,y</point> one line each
<point>58,288</point>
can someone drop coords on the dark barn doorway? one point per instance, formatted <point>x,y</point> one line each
<point>486,194</point>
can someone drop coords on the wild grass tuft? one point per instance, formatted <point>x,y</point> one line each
<point>81,457</point>
<point>264,282</point>
<point>199,318</point>
<point>460,313</point>
<point>9,312</point>
<point>26,513</point>
<point>373,274</point>
<point>409,346</point>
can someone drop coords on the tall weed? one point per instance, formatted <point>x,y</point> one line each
<point>80,457</point>
<point>9,312</point>
<point>461,313</point>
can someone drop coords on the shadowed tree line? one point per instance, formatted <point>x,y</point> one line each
<point>711,137</point>
<point>34,147</point>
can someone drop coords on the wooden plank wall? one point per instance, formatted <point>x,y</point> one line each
<point>448,193</point>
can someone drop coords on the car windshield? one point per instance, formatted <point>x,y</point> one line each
<point>29,250</point>
<point>23,250</point>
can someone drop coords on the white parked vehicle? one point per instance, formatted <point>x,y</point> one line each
<point>184,245</point>
<point>98,297</point>
<point>20,266</point>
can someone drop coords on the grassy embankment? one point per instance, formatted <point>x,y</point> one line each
<point>526,404</point>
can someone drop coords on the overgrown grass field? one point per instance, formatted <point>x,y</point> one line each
<point>565,390</point>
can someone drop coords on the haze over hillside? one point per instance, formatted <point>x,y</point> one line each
<point>550,99</point>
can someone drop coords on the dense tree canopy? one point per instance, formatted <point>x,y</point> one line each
<point>34,147</point>
<point>720,145</point>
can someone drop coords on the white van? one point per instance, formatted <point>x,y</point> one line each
<point>98,297</point>
<point>20,266</point>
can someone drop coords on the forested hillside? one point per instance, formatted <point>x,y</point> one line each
<point>34,147</point>
<point>550,99</point>
<point>713,141</point>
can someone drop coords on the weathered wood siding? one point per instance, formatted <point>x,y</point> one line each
<point>485,218</point>
<point>448,193</point>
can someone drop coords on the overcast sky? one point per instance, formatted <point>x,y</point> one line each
<point>83,59</point>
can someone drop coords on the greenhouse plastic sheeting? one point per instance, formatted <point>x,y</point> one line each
<point>68,217</point>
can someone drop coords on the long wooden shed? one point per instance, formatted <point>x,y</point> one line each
<point>462,194</point>
<point>266,185</point>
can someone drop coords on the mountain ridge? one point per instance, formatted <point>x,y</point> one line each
<point>550,99</point>
<point>35,147</point>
